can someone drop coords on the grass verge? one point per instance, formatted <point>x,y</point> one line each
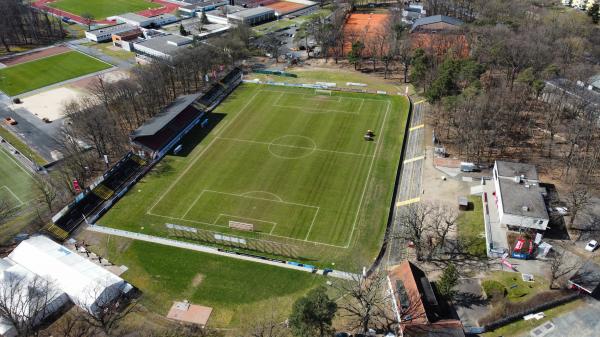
<point>471,230</point>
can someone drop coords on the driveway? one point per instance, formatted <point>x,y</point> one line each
<point>470,302</point>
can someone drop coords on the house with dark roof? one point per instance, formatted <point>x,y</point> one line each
<point>519,196</point>
<point>417,307</point>
<point>587,279</point>
<point>439,34</point>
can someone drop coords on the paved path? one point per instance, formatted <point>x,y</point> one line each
<point>409,190</point>
<point>581,322</point>
<point>209,250</point>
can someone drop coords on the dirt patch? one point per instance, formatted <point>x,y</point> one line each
<point>49,104</point>
<point>365,28</point>
<point>34,55</point>
<point>197,280</point>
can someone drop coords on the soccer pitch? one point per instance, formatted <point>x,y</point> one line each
<point>289,161</point>
<point>37,74</point>
<point>101,9</point>
<point>16,183</point>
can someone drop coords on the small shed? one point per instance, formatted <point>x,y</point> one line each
<point>463,203</point>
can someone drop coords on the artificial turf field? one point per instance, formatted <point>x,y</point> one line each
<point>16,183</point>
<point>289,161</point>
<point>37,74</point>
<point>100,9</point>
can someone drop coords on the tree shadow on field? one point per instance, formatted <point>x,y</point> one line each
<point>198,133</point>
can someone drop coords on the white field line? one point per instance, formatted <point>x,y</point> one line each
<point>311,225</point>
<point>294,147</point>
<point>13,195</point>
<point>263,192</point>
<point>368,175</point>
<point>193,162</point>
<point>192,204</point>
<point>264,199</point>
<point>2,150</point>
<point>318,110</point>
<point>313,95</point>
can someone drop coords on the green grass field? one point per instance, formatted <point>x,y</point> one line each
<point>101,9</point>
<point>237,290</point>
<point>37,74</point>
<point>16,183</point>
<point>292,163</point>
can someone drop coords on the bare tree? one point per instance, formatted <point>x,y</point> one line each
<point>267,326</point>
<point>26,301</point>
<point>366,301</point>
<point>107,311</point>
<point>48,190</point>
<point>560,266</point>
<point>579,197</point>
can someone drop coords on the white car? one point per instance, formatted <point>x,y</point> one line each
<point>562,210</point>
<point>591,246</point>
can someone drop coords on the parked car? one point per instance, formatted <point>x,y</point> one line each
<point>10,121</point>
<point>561,210</point>
<point>591,246</point>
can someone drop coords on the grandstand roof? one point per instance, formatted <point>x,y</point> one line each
<point>155,124</point>
<point>82,280</point>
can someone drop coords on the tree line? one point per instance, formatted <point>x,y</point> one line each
<point>23,25</point>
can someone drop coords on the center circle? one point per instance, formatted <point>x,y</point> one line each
<point>292,147</point>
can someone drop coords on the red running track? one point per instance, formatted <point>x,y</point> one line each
<point>42,5</point>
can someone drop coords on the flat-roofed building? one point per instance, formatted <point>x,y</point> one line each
<point>519,196</point>
<point>105,33</point>
<point>160,47</point>
<point>164,19</point>
<point>252,16</point>
<point>132,19</point>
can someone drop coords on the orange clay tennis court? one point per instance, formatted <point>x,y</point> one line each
<point>284,7</point>
<point>364,28</point>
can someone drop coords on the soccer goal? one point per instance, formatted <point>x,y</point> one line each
<point>323,92</point>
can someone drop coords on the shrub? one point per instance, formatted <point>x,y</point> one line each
<point>493,289</point>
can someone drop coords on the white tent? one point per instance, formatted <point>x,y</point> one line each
<point>18,294</point>
<point>87,284</point>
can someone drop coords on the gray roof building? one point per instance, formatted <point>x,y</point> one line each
<point>161,120</point>
<point>436,19</point>
<point>163,46</point>
<point>524,199</point>
<point>510,170</point>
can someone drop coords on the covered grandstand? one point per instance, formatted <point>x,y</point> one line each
<point>150,142</point>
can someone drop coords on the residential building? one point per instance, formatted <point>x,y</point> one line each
<point>161,47</point>
<point>519,197</point>
<point>252,16</point>
<point>577,97</point>
<point>417,307</point>
<point>105,33</point>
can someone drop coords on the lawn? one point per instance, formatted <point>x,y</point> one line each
<point>290,162</point>
<point>237,290</point>
<point>471,230</point>
<point>37,74</point>
<point>16,183</point>
<point>100,9</point>
<point>522,327</point>
<point>516,289</point>
<point>335,75</point>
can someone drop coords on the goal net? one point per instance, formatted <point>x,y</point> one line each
<point>243,226</point>
<point>322,92</point>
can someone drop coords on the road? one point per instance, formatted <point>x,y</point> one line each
<point>409,189</point>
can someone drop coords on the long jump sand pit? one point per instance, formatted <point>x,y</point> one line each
<point>49,104</point>
<point>365,28</point>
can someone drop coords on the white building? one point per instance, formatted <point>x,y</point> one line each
<point>105,33</point>
<point>252,16</point>
<point>17,290</point>
<point>519,197</point>
<point>87,284</point>
<point>164,19</point>
<point>132,19</point>
<point>160,47</point>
